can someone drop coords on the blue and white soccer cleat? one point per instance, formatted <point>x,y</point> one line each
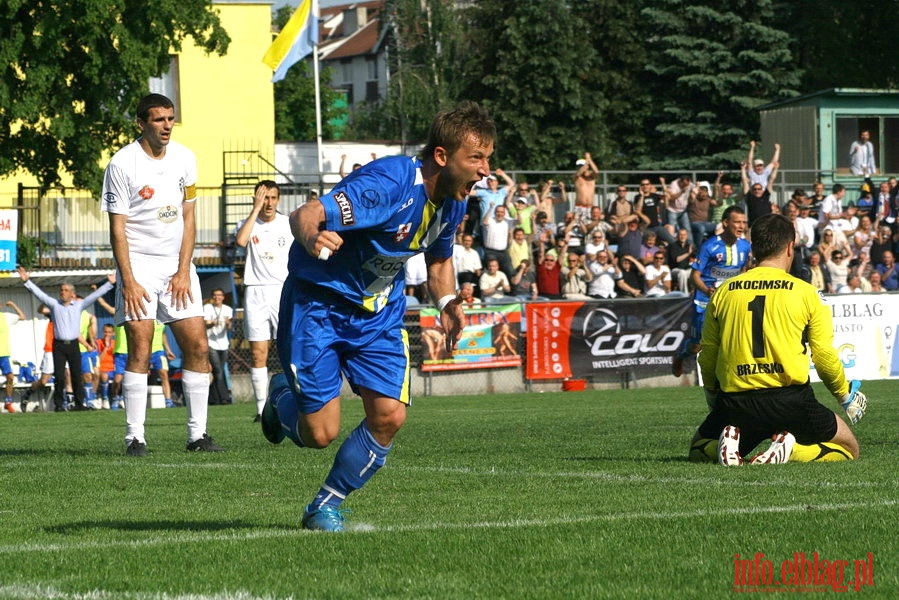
<point>855,402</point>
<point>324,518</point>
<point>271,423</point>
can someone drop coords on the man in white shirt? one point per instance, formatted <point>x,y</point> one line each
<point>658,276</point>
<point>831,207</point>
<point>149,191</point>
<point>218,317</point>
<point>266,235</point>
<point>467,261</point>
<point>861,155</point>
<point>496,230</point>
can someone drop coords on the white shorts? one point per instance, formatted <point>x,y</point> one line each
<point>154,274</point>
<point>260,314</point>
<point>47,363</point>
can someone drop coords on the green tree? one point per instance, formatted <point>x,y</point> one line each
<point>529,64</point>
<point>75,69</point>
<point>295,98</point>
<point>844,43</point>
<point>710,66</point>
<point>423,38</point>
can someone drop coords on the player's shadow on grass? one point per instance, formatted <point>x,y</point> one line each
<point>81,526</point>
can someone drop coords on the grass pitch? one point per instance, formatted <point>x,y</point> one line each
<point>553,495</point>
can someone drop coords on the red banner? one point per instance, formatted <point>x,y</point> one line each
<point>489,340</point>
<point>579,339</point>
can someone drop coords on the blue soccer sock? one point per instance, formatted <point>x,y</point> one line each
<point>88,392</point>
<point>358,458</point>
<point>104,389</point>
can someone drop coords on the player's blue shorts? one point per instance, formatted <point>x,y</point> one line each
<point>119,360</point>
<point>321,336</point>
<point>90,361</point>
<point>158,361</point>
<point>5,367</point>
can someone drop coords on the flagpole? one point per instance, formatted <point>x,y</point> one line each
<point>318,100</point>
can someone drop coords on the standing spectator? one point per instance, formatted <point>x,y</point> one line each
<point>650,207</point>
<point>831,208</point>
<point>342,302</point>
<point>605,275</point>
<point>819,274</point>
<point>680,255</point>
<point>882,209</point>
<point>524,282</point>
<point>621,212</point>
<point>494,284</point>
<point>630,244</point>
<point>496,230</point>
<point>549,275</point>
<point>724,196</point>
<point>218,317</point>
<point>816,198</point>
<point>882,242</point>
<point>415,278</point>
<point>889,274</point>
<point>523,215</point>
<point>677,199</point>
<point>149,191</point>
<point>861,155</point>
<point>6,322</point>
<point>807,225</point>
<point>552,194</point>
<point>574,232</point>
<point>106,352</point>
<point>544,230</point>
<point>160,356</point>
<point>658,276</point>
<point>838,267</point>
<point>66,316</point>
<point>761,173</point>
<point>466,261</point>
<point>492,196</point>
<point>265,234</point>
<point>575,277</point>
<point>585,182</point>
<point>632,282</point>
<point>699,211</point>
<point>519,248</point>
<point>756,196</point>
<point>597,224</point>
<point>648,248</point>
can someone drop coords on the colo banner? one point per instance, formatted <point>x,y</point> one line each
<point>579,339</point>
<point>490,339</point>
<point>864,334</point>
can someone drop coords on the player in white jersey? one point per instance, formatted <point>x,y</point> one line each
<point>265,234</point>
<point>149,191</point>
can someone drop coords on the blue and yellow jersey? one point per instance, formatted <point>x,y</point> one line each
<point>384,217</point>
<point>756,329</point>
<point>717,262</point>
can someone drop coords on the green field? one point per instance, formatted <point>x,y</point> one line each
<point>551,495</point>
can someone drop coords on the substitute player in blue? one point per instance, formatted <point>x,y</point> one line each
<point>342,305</point>
<point>721,257</point>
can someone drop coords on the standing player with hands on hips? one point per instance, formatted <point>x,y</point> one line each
<point>342,307</point>
<point>758,331</point>
<point>149,191</point>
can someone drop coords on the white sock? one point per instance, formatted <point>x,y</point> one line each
<point>196,398</point>
<point>259,379</point>
<point>134,389</point>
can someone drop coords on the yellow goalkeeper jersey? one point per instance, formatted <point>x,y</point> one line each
<point>759,328</point>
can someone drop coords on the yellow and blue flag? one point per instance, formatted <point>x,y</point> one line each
<point>298,38</point>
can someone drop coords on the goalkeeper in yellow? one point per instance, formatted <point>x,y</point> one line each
<point>759,329</point>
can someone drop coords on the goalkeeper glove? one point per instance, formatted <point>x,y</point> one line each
<point>854,403</point>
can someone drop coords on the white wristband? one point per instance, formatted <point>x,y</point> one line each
<point>324,253</point>
<point>441,304</point>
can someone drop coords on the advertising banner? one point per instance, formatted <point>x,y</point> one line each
<point>489,340</point>
<point>864,334</point>
<point>9,229</point>
<point>580,339</point>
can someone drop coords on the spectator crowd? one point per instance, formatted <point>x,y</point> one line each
<point>642,242</point>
